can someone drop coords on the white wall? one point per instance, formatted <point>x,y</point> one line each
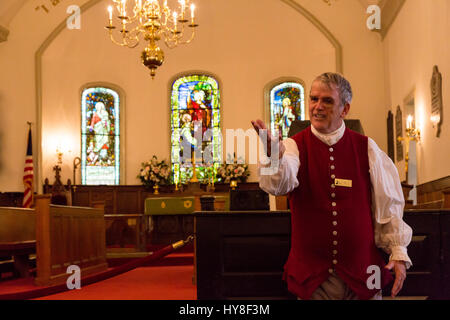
<point>363,62</point>
<point>28,30</point>
<point>417,41</point>
<point>245,43</point>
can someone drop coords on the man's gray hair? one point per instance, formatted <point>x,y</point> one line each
<point>343,86</point>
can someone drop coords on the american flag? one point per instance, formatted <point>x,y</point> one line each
<point>28,175</point>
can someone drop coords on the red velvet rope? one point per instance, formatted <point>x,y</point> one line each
<point>40,292</point>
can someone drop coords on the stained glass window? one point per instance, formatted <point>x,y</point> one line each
<point>100,137</point>
<point>195,124</point>
<point>287,103</point>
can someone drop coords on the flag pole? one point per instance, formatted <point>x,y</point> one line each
<point>28,175</point>
<point>29,123</point>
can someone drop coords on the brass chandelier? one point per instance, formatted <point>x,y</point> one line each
<point>152,22</point>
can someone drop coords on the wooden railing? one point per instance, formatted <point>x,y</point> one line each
<point>434,194</point>
<point>68,236</point>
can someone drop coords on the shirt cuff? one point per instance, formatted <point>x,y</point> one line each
<point>400,253</point>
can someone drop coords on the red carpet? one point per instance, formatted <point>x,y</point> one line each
<point>168,279</point>
<point>17,285</point>
<point>147,283</point>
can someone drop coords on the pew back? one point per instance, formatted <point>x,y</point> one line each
<point>17,224</point>
<point>68,236</point>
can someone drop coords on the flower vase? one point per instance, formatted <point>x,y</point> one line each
<point>155,189</point>
<point>233,184</point>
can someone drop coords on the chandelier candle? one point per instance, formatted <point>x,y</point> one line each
<point>192,13</point>
<point>183,8</point>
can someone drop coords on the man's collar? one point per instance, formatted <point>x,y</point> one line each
<point>330,138</point>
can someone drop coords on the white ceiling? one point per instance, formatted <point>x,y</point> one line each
<point>9,8</point>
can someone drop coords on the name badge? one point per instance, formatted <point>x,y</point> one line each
<point>343,183</point>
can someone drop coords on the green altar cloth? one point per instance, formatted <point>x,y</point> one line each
<point>169,205</point>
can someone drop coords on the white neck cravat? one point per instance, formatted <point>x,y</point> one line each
<point>330,138</point>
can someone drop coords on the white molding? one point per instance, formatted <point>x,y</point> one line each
<point>324,30</point>
<point>389,12</point>
<point>38,80</point>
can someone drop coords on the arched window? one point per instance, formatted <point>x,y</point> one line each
<point>195,123</point>
<point>100,136</point>
<point>287,103</point>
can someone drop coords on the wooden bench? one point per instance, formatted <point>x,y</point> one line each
<point>60,235</point>
<point>438,204</point>
<point>17,239</point>
<point>20,252</point>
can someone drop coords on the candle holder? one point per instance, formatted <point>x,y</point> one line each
<point>59,154</point>
<point>412,134</point>
<point>194,178</point>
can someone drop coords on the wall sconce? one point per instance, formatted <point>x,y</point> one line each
<point>436,121</point>
<point>411,130</point>
<point>62,147</point>
<point>59,153</point>
<point>412,134</point>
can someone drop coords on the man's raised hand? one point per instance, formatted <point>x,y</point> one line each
<point>260,125</point>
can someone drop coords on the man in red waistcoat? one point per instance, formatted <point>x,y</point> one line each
<point>346,202</point>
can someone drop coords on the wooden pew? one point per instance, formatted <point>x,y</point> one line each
<point>17,239</point>
<point>20,252</point>
<point>446,193</point>
<point>60,235</point>
<point>68,236</point>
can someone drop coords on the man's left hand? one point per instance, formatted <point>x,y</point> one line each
<point>400,275</point>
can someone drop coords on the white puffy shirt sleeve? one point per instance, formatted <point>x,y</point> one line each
<point>285,179</point>
<point>392,234</point>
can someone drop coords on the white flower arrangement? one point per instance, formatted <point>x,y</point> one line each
<point>233,171</point>
<point>154,172</point>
